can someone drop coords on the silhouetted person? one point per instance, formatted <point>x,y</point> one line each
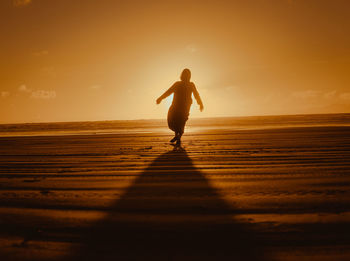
<point>182,101</point>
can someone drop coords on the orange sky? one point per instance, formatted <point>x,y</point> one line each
<point>71,60</point>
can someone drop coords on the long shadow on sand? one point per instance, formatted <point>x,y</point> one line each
<point>170,212</point>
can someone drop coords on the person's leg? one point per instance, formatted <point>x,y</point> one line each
<point>179,135</point>
<point>172,122</point>
<point>181,129</point>
<point>175,138</point>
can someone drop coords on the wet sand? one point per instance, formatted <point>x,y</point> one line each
<point>273,194</point>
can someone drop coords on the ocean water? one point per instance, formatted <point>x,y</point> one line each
<point>193,125</point>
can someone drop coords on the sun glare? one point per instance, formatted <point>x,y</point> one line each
<point>162,72</point>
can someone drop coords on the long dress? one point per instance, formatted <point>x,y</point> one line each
<point>179,110</point>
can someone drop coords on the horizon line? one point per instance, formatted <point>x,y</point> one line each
<point>158,119</point>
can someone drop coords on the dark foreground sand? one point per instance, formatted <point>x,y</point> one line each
<point>278,194</point>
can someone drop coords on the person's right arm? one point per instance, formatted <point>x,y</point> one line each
<point>167,93</point>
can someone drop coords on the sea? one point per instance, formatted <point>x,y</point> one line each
<point>160,125</point>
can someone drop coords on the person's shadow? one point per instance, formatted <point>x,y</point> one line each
<point>170,212</point>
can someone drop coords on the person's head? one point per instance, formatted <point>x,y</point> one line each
<point>186,75</point>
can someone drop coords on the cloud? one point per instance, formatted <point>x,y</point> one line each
<point>24,88</point>
<point>334,96</point>
<point>50,70</point>
<point>330,95</point>
<point>345,96</point>
<point>95,87</point>
<point>306,94</point>
<point>37,94</point>
<point>43,94</point>
<point>4,94</point>
<point>18,3</point>
<point>41,53</point>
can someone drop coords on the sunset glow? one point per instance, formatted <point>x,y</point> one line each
<point>109,60</point>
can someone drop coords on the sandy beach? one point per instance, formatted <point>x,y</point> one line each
<point>258,194</point>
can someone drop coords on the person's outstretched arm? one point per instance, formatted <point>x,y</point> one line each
<point>198,98</point>
<point>167,93</point>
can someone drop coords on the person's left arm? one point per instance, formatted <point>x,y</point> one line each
<point>197,97</point>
